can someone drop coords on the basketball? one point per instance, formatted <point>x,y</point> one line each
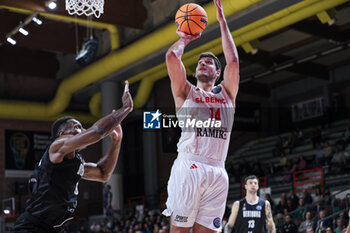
<point>191,19</point>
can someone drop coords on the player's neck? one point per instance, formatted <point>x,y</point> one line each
<point>206,86</point>
<point>252,198</point>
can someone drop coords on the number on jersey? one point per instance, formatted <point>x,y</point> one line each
<point>251,223</point>
<point>215,116</point>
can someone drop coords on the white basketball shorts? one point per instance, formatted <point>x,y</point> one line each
<point>197,192</point>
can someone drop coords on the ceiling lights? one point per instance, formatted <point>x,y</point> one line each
<point>11,41</point>
<point>51,4</point>
<point>23,31</point>
<point>20,28</point>
<point>37,21</point>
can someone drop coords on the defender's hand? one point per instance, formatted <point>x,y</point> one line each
<point>126,99</point>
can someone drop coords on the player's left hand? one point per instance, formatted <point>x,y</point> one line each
<point>117,134</point>
<point>219,10</point>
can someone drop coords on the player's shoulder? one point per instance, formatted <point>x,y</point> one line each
<point>59,141</point>
<point>236,203</point>
<point>267,203</point>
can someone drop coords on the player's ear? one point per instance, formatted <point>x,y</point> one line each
<point>218,72</point>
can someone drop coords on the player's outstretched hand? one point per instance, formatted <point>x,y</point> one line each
<point>117,134</point>
<point>127,100</point>
<point>219,10</point>
<point>188,37</point>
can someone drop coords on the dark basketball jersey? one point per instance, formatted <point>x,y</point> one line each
<point>251,218</point>
<point>55,189</point>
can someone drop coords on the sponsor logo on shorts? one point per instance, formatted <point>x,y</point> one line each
<point>217,222</point>
<point>193,166</point>
<point>179,218</point>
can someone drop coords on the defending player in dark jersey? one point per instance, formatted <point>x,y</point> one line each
<point>251,214</point>
<point>54,184</point>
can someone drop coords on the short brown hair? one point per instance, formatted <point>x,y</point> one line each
<point>251,177</point>
<point>216,60</point>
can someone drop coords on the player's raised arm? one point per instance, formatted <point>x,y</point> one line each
<point>103,169</point>
<point>269,220</point>
<point>66,144</point>
<point>232,218</point>
<point>180,87</point>
<point>231,72</point>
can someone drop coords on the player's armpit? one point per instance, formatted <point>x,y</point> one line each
<point>103,169</point>
<point>269,219</point>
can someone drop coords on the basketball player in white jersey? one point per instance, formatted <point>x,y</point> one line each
<point>251,214</point>
<point>198,183</point>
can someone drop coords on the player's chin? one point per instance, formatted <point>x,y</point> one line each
<point>200,73</point>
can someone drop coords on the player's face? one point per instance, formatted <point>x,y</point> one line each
<point>252,186</point>
<point>206,69</point>
<point>73,127</point>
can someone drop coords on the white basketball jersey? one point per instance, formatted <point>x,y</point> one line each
<point>213,114</point>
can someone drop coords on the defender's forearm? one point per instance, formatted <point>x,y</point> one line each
<point>108,162</point>
<point>109,122</point>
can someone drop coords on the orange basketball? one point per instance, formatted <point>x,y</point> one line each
<point>191,19</point>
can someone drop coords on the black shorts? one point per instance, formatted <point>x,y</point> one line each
<point>25,223</point>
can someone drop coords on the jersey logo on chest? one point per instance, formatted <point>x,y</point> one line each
<point>251,214</point>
